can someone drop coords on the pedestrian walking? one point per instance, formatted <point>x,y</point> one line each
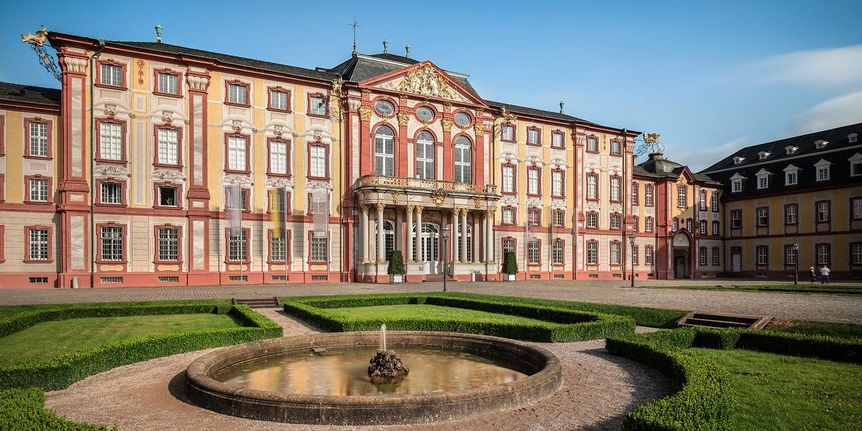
<point>812,274</point>
<point>824,274</point>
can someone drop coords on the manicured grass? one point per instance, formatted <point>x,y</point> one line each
<point>777,392</point>
<point>383,313</point>
<point>49,339</point>
<point>837,330</point>
<point>791,288</point>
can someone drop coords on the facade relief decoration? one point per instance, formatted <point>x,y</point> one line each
<point>365,113</point>
<point>112,171</point>
<point>279,183</point>
<point>425,81</point>
<point>242,180</point>
<point>168,175</point>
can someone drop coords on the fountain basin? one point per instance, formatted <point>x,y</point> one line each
<point>540,368</point>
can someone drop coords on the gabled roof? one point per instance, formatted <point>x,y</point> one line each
<point>657,167</point>
<point>18,93</point>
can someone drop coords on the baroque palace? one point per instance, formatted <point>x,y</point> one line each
<point>123,178</point>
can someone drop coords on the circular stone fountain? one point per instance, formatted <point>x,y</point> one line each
<point>323,379</point>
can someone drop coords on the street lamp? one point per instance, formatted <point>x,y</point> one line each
<point>445,257</point>
<point>796,262</point>
<point>632,239</point>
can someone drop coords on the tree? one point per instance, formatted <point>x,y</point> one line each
<point>510,263</point>
<point>396,264</point>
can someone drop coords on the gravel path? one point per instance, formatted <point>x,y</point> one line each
<point>790,306</point>
<point>597,391</point>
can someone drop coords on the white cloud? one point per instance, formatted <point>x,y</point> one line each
<point>820,67</point>
<point>838,111</point>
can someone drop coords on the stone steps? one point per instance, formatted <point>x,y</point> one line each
<point>271,302</point>
<point>714,320</point>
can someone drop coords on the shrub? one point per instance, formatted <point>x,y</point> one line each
<point>23,409</point>
<point>396,264</point>
<point>510,263</point>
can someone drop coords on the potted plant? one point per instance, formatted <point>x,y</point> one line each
<point>396,267</point>
<point>510,266</point>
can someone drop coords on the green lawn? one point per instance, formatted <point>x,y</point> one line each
<point>776,392</point>
<point>382,313</point>
<point>791,288</point>
<point>50,339</point>
<point>837,330</point>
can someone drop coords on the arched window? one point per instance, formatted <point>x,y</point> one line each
<point>463,160</point>
<point>388,238</point>
<point>469,256</point>
<point>384,151</point>
<point>425,155</point>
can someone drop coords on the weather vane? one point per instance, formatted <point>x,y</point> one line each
<point>37,42</point>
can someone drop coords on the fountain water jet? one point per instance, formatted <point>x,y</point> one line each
<point>385,367</point>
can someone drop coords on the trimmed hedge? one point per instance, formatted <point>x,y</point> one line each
<point>23,409</point>
<point>704,403</point>
<point>63,370</point>
<point>562,324</point>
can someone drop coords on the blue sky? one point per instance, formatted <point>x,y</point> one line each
<point>710,76</point>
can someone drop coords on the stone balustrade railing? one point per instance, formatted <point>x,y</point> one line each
<point>416,183</point>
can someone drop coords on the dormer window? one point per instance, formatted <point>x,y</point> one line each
<point>736,183</point>
<point>856,165</point>
<point>852,138</point>
<point>738,160</point>
<point>790,149</point>
<point>791,175</point>
<point>822,170</point>
<point>763,155</point>
<point>820,144</point>
<point>762,179</point>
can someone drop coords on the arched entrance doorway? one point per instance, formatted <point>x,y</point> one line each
<point>429,247</point>
<point>682,255</point>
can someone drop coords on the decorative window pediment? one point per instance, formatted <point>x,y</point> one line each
<point>823,170</point>
<point>855,165</point>
<point>820,144</point>
<point>762,179</point>
<point>791,175</point>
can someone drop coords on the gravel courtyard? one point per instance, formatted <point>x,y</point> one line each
<point>597,391</point>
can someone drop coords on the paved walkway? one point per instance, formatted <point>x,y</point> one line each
<point>598,389</point>
<point>792,306</point>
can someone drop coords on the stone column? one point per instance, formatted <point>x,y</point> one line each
<point>399,229</point>
<point>455,255</point>
<point>420,252</point>
<point>476,236</point>
<point>463,234</point>
<point>363,234</point>
<point>489,241</point>
<point>381,244</point>
<point>410,233</point>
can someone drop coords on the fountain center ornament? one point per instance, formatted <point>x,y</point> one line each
<point>385,367</point>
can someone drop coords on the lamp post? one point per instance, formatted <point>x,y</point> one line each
<point>445,256</point>
<point>796,262</point>
<point>632,238</point>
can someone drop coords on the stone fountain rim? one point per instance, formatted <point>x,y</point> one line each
<point>228,399</point>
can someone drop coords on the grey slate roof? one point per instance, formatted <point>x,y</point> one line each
<point>658,167</point>
<point>535,112</point>
<point>29,94</point>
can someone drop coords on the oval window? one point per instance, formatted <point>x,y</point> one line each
<point>425,114</point>
<point>384,108</point>
<point>462,119</point>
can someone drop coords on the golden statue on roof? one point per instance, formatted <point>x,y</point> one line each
<point>37,39</point>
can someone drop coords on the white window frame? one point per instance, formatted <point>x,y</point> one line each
<point>38,139</point>
<point>110,141</point>
<point>170,84</point>
<point>169,146</point>
<point>111,197</point>
<point>822,168</point>
<point>238,93</point>
<point>237,156</point>
<point>279,100</point>
<point>533,181</point>
<point>384,151</point>
<point>425,150</point>
<point>39,247</point>
<point>39,190</point>
<point>168,244</point>
<point>278,151</point>
<point>463,160</point>
<point>317,160</point>
<point>556,183</point>
<point>111,74</point>
<point>508,179</point>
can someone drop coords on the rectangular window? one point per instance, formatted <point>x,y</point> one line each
<point>317,105</point>
<point>237,250</point>
<point>615,253</point>
<point>38,190</point>
<point>716,256</point>
<point>714,203</point>
<point>237,93</point>
<point>508,216</point>
<point>763,216</point>
<point>789,254</point>
<point>592,144</point>
<point>823,254</point>
<point>856,204</point>
<point>533,136</point>
<point>508,133</point>
<point>593,220</point>
<point>702,256</point>
<point>111,193</point>
<point>533,181</point>
<point>279,100</point>
<point>635,193</point>
<point>716,228</point>
<point>736,219</point>
<point>648,200</point>
<point>822,173</point>
<point>237,157</point>
<point>791,214</point>
<point>278,158</point>
<point>592,187</point>
<point>110,141</point>
<point>508,179</point>
<point>112,243</point>
<point>702,227</point>
<point>38,245</point>
<point>169,83</point>
<point>592,252</point>
<point>855,168</point>
<point>534,217</point>
<point>169,244</point>
<point>557,183</point>
<point>534,252</point>
<point>682,196</point>
<point>111,74</point>
<point>702,201</point>
<point>508,245</point>
<point>169,147</point>
<point>762,182</point>
<point>823,211</point>
<point>635,257</point>
<point>277,249</point>
<point>736,186</point>
<point>689,225</point>
<point>319,244</point>
<point>168,196</point>
<point>615,148</point>
<point>616,221</point>
<point>318,161</point>
<point>762,255</point>
<point>856,253</point>
<point>559,218</point>
<point>38,139</point>
<point>648,224</point>
<point>649,255</point>
<point>635,224</point>
<point>557,140</point>
<point>790,178</point>
<point>615,189</point>
<point>558,252</point>
<point>674,225</point>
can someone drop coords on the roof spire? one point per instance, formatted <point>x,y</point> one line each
<point>385,47</point>
<point>355,25</point>
<point>407,50</point>
<point>158,33</point>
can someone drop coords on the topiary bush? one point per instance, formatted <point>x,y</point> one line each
<point>510,263</point>
<point>396,264</point>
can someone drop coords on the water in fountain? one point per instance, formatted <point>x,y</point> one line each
<point>385,366</point>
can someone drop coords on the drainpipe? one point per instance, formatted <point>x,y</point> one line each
<point>93,59</point>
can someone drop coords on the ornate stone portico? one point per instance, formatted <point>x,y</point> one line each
<point>410,214</point>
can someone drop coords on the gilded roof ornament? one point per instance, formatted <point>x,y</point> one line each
<point>426,81</point>
<point>36,39</point>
